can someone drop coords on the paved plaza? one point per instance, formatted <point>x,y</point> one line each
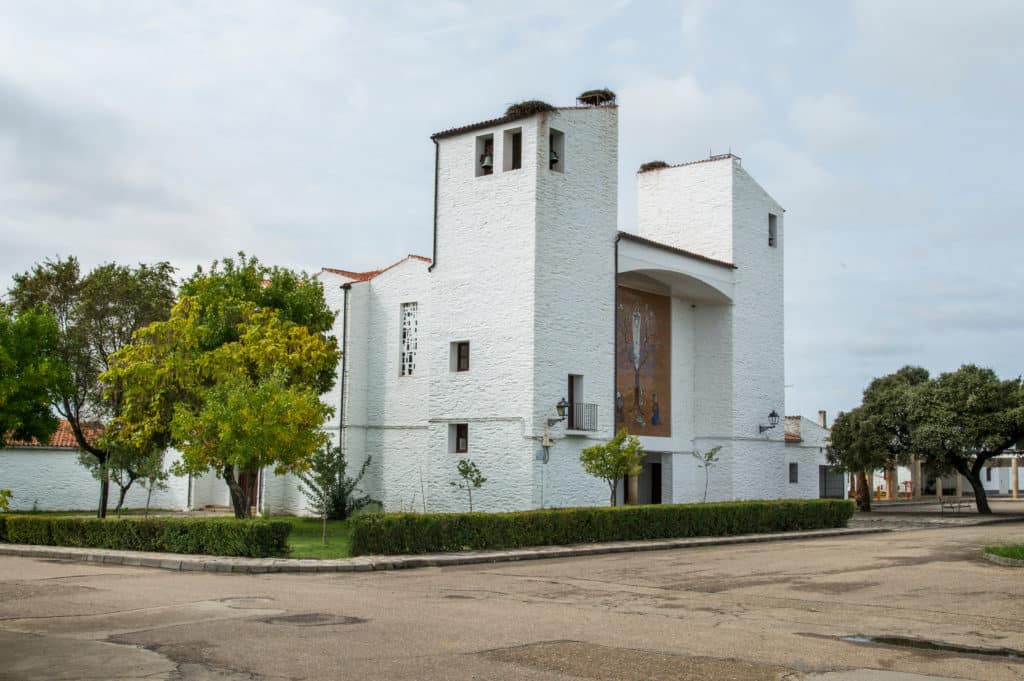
<point>744,613</point>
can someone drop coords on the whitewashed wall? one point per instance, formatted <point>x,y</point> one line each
<point>53,480</point>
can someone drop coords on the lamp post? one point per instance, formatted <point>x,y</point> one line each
<point>560,409</point>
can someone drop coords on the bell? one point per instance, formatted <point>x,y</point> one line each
<point>554,157</point>
<point>487,161</point>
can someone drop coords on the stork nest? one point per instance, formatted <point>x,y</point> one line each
<point>597,97</point>
<point>653,165</point>
<point>527,108</point>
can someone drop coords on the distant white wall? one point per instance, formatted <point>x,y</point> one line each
<point>53,480</point>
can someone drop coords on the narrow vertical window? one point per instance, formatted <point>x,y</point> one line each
<point>512,158</point>
<point>556,151</point>
<point>462,357</point>
<point>773,230</point>
<point>458,438</point>
<point>793,473</point>
<point>407,356</point>
<point>484,155</point>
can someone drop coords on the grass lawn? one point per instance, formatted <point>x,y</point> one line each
<point>1012,551</point>
<point>304,539</point>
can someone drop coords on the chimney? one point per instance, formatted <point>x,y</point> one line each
<point>822,419</point>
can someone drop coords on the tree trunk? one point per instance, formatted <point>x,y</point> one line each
<point>323,533</point>
<point>469,489</point>
<point>120,497</point>
<point>101,512</point>
<point>614,486</point>
<point>863,492</point>
<point>239,497</point>
<point>149,495</point>
<point>980,498</point>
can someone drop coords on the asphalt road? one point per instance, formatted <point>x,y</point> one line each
<point>744,613</point>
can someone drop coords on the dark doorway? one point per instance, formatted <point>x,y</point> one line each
<point>655,483</point>
<point>831,483</point>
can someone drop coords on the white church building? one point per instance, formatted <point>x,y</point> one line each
<point>533,302</point>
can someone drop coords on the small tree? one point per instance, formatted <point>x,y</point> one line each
<point>5,500</point>
<point>706,460</point>
<point>243,426</point>
<point>614,460</point>
<point>472,479</point>
<point>30,371</point>
<point>329,489</point>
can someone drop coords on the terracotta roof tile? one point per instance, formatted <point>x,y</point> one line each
<point>366,276</point>
<point>63,437</point>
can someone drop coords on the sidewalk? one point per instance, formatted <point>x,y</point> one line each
<point>183,562</point>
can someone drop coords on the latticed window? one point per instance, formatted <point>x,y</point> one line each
<point>407,359</point>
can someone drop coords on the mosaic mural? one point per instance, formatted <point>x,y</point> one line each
<point>643,342</point>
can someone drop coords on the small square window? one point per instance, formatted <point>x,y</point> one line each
<point>773,230</point>
<point>794,473</point>
<point>458,438</point>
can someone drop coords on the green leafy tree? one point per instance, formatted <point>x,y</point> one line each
<point>5,500</point>
<point>197,356</point>
<point>964,418</point>
<point>30,373</point>
<point>878,434</point>
<point>96,315</point>
<point>330,491</point>
<point>471,479</point>
<point>244,425</point>
<point>614,460</point>
<point>706,461</point>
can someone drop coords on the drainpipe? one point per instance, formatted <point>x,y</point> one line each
<point>344,364</point>
<point>615,326</point>
<point>437,167</point>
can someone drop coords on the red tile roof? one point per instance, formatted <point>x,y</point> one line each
<point>789,437</point>
<point>63,437</point>
<point>366,276</point>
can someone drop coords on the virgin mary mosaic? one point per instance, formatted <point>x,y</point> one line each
<point>643,363</point>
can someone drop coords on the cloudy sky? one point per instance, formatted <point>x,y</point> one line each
<point>299,132</point>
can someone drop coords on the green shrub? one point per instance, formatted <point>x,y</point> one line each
<point>28,530</point>
<point>211,536</point>
<point>395,533</point>
<point>3,528</point>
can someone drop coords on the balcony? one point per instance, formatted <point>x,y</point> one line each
<point>581,416</point>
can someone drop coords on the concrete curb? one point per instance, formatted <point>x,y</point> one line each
<point>194,563</point>
<point>1002,560</point>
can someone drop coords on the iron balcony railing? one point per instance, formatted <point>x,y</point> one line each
<point>581,416</point>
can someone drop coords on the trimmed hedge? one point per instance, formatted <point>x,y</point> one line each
<point>210,536</point>
<point>397,533</point>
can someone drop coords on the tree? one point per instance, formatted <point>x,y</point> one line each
<point>195,357</point>
<point>964,418</point>
<point>877,434</point>
<point>706,460</point>
<point>5,500</point>
<point>30,372</point>
<point>614,460</point>
<point>243,425</point>
<point>329,489</point>
<point>96,315</point>
<point>472,479</point>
